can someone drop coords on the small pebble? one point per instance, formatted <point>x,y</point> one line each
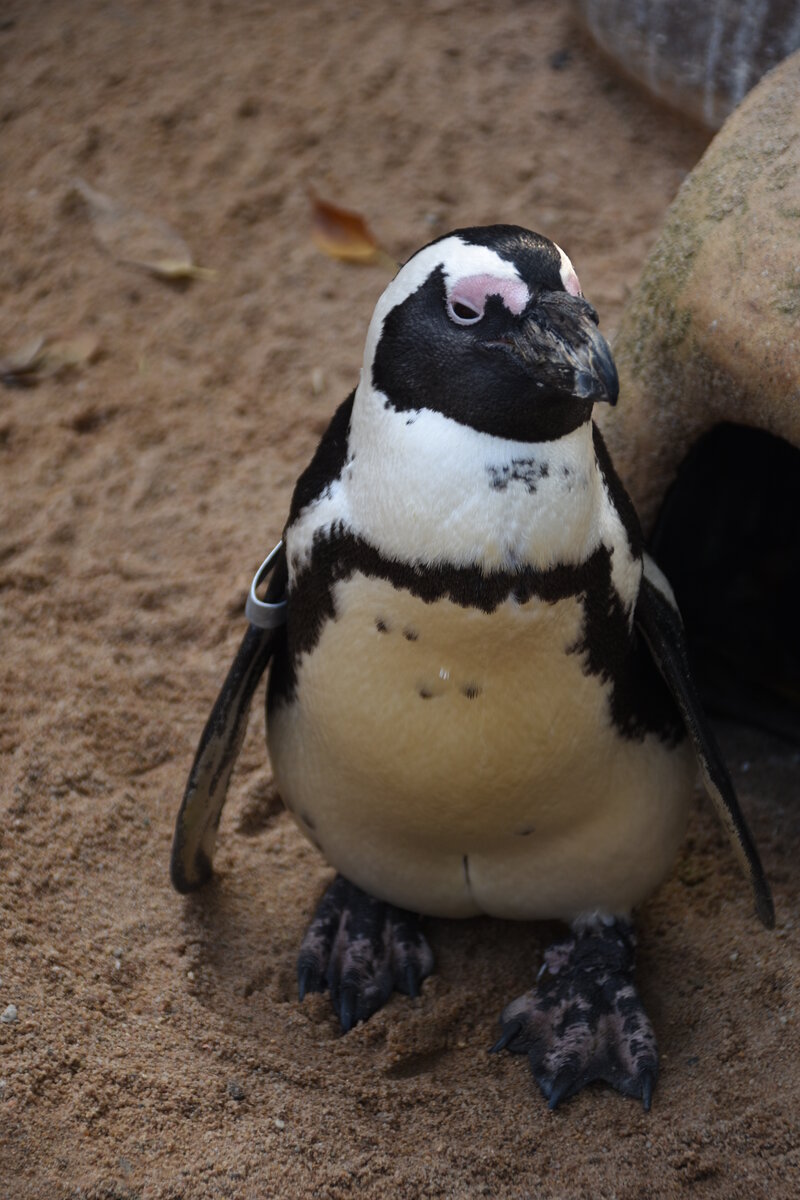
<point>559,60</point>
<point>9,1015</point>
<point>235,1090</point>
<point>279,1124</point>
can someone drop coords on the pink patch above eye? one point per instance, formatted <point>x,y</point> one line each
<point>571,282</point>
<point>473,291</point>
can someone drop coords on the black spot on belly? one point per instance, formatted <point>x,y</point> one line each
<point>381,625</point>
<point>471,691</point>
<point>424,694</point>
<point>410,635</point>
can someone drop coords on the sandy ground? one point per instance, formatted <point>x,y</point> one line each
<point>159,1050</point>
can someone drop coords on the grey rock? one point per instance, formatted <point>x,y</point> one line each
<point>702,58</point>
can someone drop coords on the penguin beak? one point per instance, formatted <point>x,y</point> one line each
<point>560,345</point>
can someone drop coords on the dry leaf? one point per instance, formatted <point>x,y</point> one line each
<point>133,237</point>
<point>175,268</point>
<point>19,369</point>
<point>345,235</point>
<point>40,359</point>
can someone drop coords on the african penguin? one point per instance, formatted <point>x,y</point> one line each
<point>479,702</point>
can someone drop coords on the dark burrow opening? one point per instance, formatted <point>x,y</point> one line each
<point>728,539</point>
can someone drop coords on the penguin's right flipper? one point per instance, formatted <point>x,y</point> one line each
<point>658,619</point>
<point>207,786</point>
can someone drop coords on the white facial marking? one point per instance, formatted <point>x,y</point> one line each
<point>466,298</point>
<point>569,276</point>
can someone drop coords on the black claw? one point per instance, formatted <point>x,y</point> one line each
<point>410,982</point>
<point>648,1082</point>
<point>560,1088</point>
<point>507,1036</point>
<point>309,979</point>
<point>348,1005</point>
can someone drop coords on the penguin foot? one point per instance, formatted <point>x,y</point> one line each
<point>584,1020</point>
<point>362,949</point>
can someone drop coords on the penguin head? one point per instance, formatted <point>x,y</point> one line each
<point>489,327</point>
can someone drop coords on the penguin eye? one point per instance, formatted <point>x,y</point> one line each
<point>462,312</point>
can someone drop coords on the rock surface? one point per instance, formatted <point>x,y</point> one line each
<point>712,330</point>
<point>700,58</point>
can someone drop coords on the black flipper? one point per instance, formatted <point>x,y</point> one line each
<point>220,742</point>
<point>659,621</point>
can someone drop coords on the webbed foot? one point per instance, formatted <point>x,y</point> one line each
<point>584,1020</point>
<point>362,949</point>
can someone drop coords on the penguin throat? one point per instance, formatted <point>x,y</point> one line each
<point>422,487</point>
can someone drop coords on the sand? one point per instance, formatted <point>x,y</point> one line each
<point>158,1050</point>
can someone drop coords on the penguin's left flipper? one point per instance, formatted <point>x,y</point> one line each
<point>659,621</point>
<point>207,786</point>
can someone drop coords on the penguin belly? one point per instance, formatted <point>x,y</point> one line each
<point>457,762</point>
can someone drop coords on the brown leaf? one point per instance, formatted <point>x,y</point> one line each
<point>345,235</point>
<point>41,359</point>
<point>133,237</point>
